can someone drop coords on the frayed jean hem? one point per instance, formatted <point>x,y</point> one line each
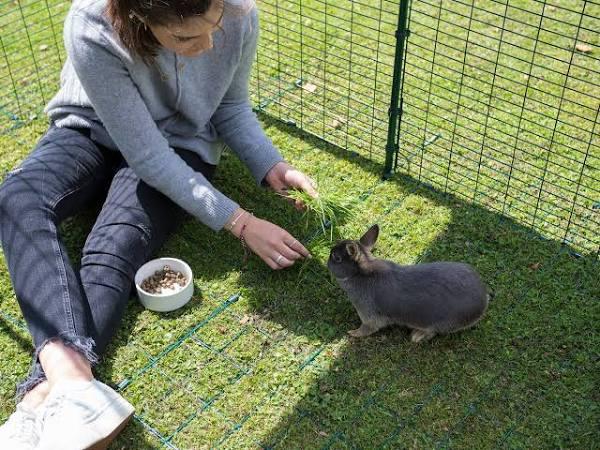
<point>83,345</point>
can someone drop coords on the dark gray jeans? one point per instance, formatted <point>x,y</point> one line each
<point>65,172</point>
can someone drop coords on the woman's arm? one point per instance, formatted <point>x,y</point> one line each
<point>234,119</point>
<point>237,124</point>
<point>124,114</point>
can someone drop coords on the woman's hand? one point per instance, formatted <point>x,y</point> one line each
<point>275,246</point>
<point>283,177</point>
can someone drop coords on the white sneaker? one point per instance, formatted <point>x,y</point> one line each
<point>21,431</point>
<point>82,415</point>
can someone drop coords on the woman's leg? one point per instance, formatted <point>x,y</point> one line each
<point>134,222</point>
<point>62,175</point>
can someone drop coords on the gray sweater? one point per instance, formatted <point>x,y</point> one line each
<point>144,111</point>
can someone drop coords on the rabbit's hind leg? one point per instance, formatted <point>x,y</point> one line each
<point>418,336</point>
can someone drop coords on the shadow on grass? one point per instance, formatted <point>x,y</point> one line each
<point>10,328</point>
<point>523,377</point>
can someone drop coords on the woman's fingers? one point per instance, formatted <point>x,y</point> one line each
<point>275,246</point>
<point>288,253</point>
<point>281,261</point>
<point>309,186</point>
<point>271,263</point>
<point>297,248</point>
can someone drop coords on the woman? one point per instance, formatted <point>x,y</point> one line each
<point>150,92</point>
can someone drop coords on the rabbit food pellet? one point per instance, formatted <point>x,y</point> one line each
<point>165,281</point>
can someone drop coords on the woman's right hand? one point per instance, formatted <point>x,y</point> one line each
<point>275,246</point>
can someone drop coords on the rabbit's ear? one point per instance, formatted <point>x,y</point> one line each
<point>370,237</point>
<point>352,249</point>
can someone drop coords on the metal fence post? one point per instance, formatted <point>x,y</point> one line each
<point>395,110</point>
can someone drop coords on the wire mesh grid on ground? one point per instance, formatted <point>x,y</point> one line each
<point>210,371</point>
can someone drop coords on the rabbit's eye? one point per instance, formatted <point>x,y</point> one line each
<point>336,258</point>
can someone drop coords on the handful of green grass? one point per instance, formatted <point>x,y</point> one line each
<point>326,210</point>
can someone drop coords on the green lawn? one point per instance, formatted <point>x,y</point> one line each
<point>261,359</point>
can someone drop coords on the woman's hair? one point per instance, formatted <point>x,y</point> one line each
<point>130,19</point>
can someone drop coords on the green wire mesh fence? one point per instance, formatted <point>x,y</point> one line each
<point>501,106</point>
<point>327,67</point>
<point>31,57</point>
<point>495,101</point>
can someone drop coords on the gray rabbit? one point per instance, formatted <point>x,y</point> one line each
<point>433,298</point>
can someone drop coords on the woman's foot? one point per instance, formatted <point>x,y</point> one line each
<point>37,395</point>
<point>22,429</point>
<point>80,415</point>
<point>79,412</point>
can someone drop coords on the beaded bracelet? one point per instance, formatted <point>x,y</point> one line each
<point>243,241</point>
<point>234,221</point>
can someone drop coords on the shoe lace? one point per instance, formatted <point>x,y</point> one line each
<point>27,427</point>
<point>50,409</point>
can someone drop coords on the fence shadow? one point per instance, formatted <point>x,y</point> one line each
<point>384,391</point>
<point>533,344</point>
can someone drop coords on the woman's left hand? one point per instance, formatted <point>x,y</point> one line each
<point>283,177</point>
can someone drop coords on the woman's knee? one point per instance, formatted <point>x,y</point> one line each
<point>21,205</point>
<point>12,190</point>
<point>114,251</point>
<point>30,188</point>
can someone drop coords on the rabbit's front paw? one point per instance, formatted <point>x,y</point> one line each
<point>363,331</point>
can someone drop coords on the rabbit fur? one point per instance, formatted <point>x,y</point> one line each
<point>429,298</point>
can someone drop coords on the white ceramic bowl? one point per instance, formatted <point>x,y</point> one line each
<point>168,301</point>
